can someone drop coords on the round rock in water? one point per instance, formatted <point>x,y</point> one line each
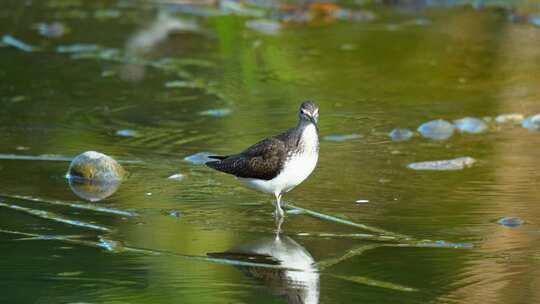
<point>96,167</point>
<point>510,221</point>
<point>471,125</point>
<point>532,123</point>
<point>401,134</point>
<point>93,191</point>
<point>437,129</point>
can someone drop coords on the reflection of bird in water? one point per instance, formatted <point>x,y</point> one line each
<point>277,164</point>
<point>298,285</point>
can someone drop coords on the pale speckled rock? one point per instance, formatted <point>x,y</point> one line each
<point>510,221</point>
<point>95,166</point>
<point>471,125</point>
<point>438,129</point>
<point>444,165</point>
<point>509,118</point>
<point>532,123</point>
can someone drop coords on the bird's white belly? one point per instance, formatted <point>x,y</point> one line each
<point>294,172</point>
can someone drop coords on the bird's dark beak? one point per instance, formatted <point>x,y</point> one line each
<point>313,119</point>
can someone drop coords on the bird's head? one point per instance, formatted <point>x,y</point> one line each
<point>309,112</point>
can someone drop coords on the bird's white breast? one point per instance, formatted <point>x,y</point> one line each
<point>298,166</point>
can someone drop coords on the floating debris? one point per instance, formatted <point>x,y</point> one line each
<point>510,221</point>
<point>341,137</point>
<point>52,30</point>
<point>444,165</point>
<point>509,118</point>
<point>532,123</point>
<point>16,43</point>
<point>216,112</point>
<point>264,26</point>
<point>471,125</point>
<point>127,133</point>
<point>199,158</point>
<point>176,177</point>
<point>95,166</point>
<point>362,201</point>
<point>77,48</point>
<point>437,129</point>
<point>401,134</point>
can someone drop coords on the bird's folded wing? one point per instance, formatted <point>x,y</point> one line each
<point>264,160</point>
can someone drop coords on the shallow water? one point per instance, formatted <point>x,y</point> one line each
<point>400,70</point>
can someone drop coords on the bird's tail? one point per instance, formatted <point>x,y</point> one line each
<point>217,157</point>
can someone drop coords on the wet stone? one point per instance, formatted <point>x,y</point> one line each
<point>341,137</point>
<point>444,165</point>
<point>95,166</point>
<point>532,123</point>
<point>127,133</point>
<point>510,221</point>
<point>471,125</point>
<point>93,191</point>
<point>401,134</point>
<point>52,30</point>
<point>199,158</point>
<point>216,112</point>
<point>437,129</point>
<point>509,118</point>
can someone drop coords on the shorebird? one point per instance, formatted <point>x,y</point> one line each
<point>279,163</point>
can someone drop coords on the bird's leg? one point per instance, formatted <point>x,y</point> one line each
<point>279,211</point>
<point>279,221</point>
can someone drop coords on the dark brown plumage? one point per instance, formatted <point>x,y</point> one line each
<point>264,160</point>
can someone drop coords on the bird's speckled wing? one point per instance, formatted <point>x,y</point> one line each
<point>264,160</point>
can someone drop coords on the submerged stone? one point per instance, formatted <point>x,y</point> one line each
<point>471,125</point>
<point>199,158</point>
<point>532,123</point>
<point>95,166</point>
<point>77,48</point>
<point>127,133</point>
<point>216,112</point>
<point>401,134</point>
<point>268,27</point>
<point>444,165</point>
<point>437,129</point>
<point>509,118</point>
<point>341,137</point>
<point>52,30</point>
<point>510,221</point>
